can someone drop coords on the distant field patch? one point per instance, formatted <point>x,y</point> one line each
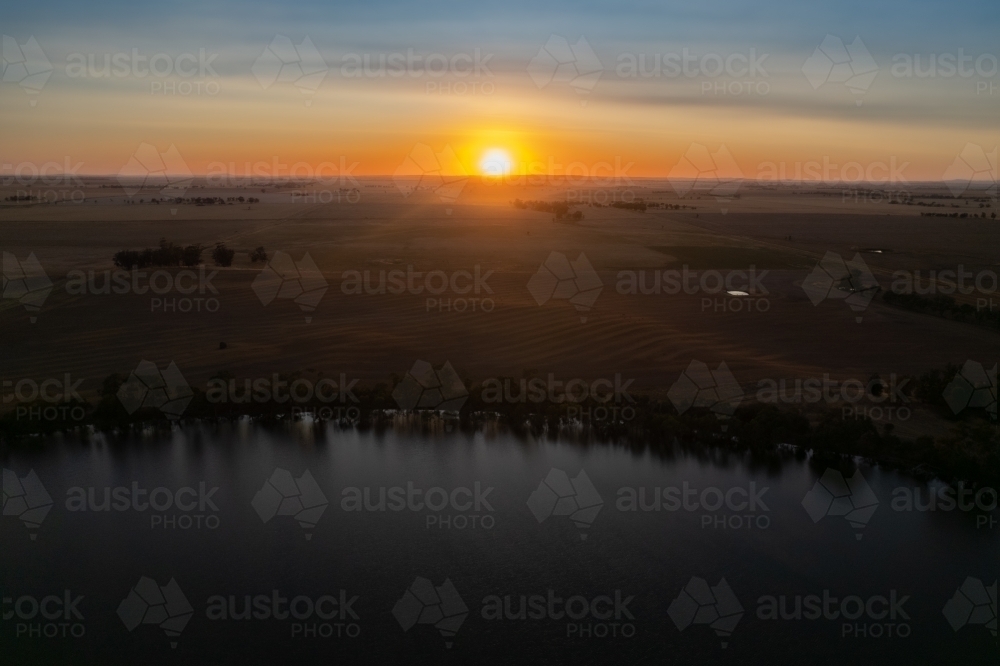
<point>720,256</point>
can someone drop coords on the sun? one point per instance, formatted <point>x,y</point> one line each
<point>496,162</point>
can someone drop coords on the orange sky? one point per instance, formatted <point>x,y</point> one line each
<point>645,127</point>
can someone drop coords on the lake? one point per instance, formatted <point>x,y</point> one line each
<point>239,543</point>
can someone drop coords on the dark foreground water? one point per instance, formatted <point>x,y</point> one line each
<point>240,545</point>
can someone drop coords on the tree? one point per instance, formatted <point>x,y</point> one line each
<point>258,254</point>
<point>192,255</point>
<point>222,255</point>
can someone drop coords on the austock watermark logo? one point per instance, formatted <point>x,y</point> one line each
<point>283,61</point>
<point>185,74</point>
<point>149,388</point>
<point>973,604</point>
<point>48,182</point>
<point>938,496</point>
<point>560,62</point>
<point>148,168</point>
<point>558,495</point>
<point>733,74</point>
<point>700,603</point>
<point>52,616</point>
<point>947,282</point>
<point>194,290</point>
<point>701,171</point>
<point>305,397</point>
<point>833,495</point>
<point>584,616</point>
<point>613,401</point>
<point>876,399</point>
<point>601,182</point>
<point>164,606</point>
<point>423,387</point>
<point>454,291</point>
<point>52,399</point>
<point>26,499</point>
<point>438,68</point>
<point>877,616</point>
<point>835,279</point>
<point>326,616</point>
<point>439,606</point>
<point>283,278</point>
<point>699,386</point>
<point>735,508</point>
<point>835,62</point>
<point>426,170</point>
<point>185,508</point>
<point>734,291</point>
<point>26,281</point>
<point>879,182</point>
<point>458,508</point>
<point>832,174</point>
<point>981,68</point>
<point>558,278</point>
<point>324,182</point>
<point>283,495</point>
<point>26,65</point>
<point>975,387</point>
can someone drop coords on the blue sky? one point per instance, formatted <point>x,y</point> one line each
<point>918,26</point>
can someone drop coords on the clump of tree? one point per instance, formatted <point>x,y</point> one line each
<point>642,205</point>
<point>559,209</point>
<point>960,216</point>
<point>222,255</point>
<point>638,205</point>
<point>166,254</point>
<point>259,254</point>
<point>201,201</point>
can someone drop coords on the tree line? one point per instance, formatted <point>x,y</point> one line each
<point>168,254</point>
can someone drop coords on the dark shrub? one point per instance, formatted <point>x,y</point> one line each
<point>222,255</point>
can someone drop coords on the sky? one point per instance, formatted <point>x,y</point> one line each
<point>834,89</point>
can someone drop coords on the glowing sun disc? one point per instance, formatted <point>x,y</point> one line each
<point>496,162</point>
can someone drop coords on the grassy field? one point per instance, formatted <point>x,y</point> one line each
<point>650,338</point>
